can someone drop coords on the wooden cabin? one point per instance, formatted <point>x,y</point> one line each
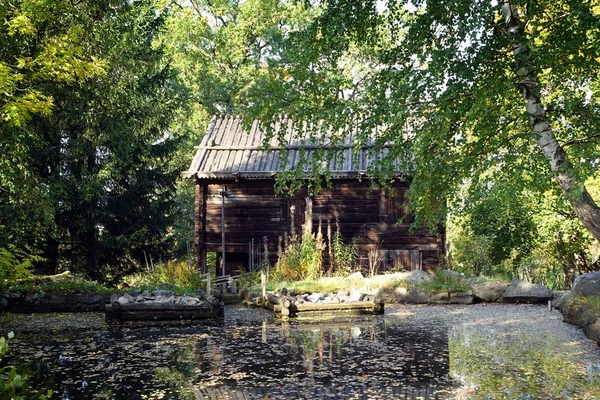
<point>235,177</point>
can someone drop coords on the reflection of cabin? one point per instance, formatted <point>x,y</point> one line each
<point>231,161</point>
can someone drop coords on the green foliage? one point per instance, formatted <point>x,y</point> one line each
<point>541,240</point>
<point>301,259</point>
<point>12,384</point>
<point>16,263</point>
<point>98,168</point>
<point>533,367</point>
<point>311,286</point>
<point>73,284</point>
<point>41,47</point>
<point>180,274</point>
<point>468,253</point>
<point>344,256</point>
<point>446,282</point>
<point>311,256</point>
<point>438,82</point>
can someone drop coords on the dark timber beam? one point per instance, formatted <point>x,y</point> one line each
<point>200,224</point>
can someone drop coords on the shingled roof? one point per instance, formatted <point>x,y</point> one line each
<point>228,151</point>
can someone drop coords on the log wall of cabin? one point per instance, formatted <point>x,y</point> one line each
<point>253,211</point>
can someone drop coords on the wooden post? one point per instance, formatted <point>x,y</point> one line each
<point>200,225</point>
<point>208,285</point>
<point>263,284</point>
<point>223,195</point>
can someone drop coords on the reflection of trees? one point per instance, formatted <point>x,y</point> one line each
<point>179,369</point>
<point>490,361</point>
<point>209,355</point>
<point>320,345</point>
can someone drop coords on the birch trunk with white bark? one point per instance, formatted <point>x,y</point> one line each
<point>584,206</point>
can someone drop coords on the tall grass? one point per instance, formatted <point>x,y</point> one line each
<point>179,274</point>
<point>301,258</point>
<point>343,256</point>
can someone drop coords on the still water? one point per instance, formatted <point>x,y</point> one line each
<point>500,351</point>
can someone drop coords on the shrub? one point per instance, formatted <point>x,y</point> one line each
<point>12,384</point>
<point>179,274</point>
<point>301,259</point>
<point>443,281</point>
<point>343,256</point>
<point>16,263</point>
<point>74,284</point>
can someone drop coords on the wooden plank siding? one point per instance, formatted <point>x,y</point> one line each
<point>375,217</point>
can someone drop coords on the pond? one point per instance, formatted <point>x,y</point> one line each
<point>480,351</point>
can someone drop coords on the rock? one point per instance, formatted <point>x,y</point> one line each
<point>93,298</point>
<point>461,298</point>
<point>166,300</point>
<point>355,295</point>
<point>162,292</point>
<point>524,292</point>
<point>315,297</point>
<point>451,273</point>
<point>284,291</point>
<point>587,284</point>
<point>126,299</point>
<point>558,296</point>
<point>416,277</point>
<point>440,297</point>
<point>417,296</point>
<point>593,330</point>
<point>343,293</point>
<point>292,292</point>
<point>401,294</point>
<point>354,276</point>
<point>488,290</point>
<point>33,298</point>
<point>145,293</point>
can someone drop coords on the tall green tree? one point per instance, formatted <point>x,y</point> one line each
<point>101,155</point>
<point>40,47</point>
<point>223,50</point>
<point>457,88</point>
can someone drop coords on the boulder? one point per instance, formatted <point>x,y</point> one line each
<point>587,284</point>
<point>356,276</point>
<point>162,292</point>
<point>416,277</point>
<point>313,298</point>
<point>389,295</point>
<point>417,296</point>
<point>593,330</point>
<point>126,299</point>
<point>440,297</point>
<point>451,273</point>
<point>558,296</point>
<point>488,290</point>
<point>461,298</point>
<point>355,295</point>
<point>524,292</point>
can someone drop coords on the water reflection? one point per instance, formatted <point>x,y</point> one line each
<point>496,362</point>
<point>369,351</point>
<point>437,352</point>
<point>263,357</point>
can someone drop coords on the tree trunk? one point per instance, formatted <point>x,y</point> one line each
<point>584,206</point>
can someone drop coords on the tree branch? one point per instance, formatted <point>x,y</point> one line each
<point>588,139</point>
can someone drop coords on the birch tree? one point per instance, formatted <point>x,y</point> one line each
<point>463,89</point>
